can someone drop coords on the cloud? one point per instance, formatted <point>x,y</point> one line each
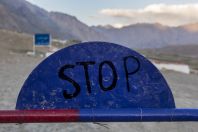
<point>118,25</point>
<point>172,15</point>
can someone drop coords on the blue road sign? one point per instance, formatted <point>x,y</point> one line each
<point>42,39</point>
<point>95,75</point>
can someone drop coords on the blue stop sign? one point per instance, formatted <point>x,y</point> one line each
<point>95,75</point>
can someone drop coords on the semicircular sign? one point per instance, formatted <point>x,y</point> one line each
<point>95,75</point>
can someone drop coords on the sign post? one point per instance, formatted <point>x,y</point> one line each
<point>40,40</point>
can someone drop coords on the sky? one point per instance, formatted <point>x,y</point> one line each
<point>120,13</point>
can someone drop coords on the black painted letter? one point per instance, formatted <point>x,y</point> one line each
<point>115,76</point>
<point>75,84</point>
<point>132,72</point>
<point>85,65</point>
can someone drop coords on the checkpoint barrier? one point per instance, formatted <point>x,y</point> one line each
<point>96,82</point>
<point>99,115</point>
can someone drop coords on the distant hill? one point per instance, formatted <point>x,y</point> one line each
<point>150,35</point>
<point>190,27</point>
<point>22,16</point>
<point>78,29</point>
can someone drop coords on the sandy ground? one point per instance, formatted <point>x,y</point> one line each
<point>15,68</point>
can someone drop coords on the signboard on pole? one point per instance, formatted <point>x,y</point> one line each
<point>41,40</point>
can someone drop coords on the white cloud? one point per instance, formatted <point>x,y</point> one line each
<point>118,25</point>
<point>172,15</point>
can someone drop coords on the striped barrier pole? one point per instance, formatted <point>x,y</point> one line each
<point>99,115</point>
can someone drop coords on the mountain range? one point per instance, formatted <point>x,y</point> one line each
<point>22,16</point>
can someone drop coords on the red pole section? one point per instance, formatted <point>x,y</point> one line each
<point>38,116</point>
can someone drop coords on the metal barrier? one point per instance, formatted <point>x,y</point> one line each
<point>99,115</point>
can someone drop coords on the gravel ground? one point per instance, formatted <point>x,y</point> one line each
<point>14,69</point>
